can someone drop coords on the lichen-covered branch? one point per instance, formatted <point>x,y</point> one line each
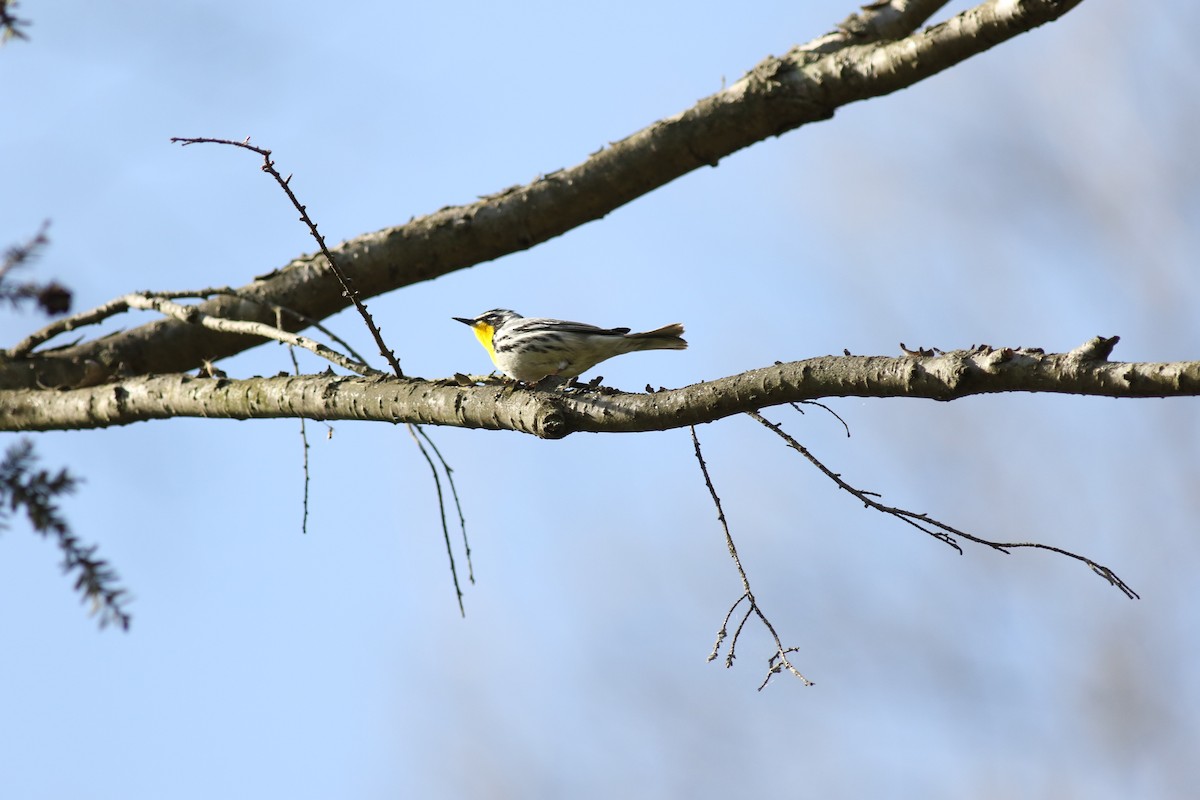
<point>553,414</point>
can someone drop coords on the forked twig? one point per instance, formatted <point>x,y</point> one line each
<point>155,301</point>
<point>938,530</point>
<point>819,404</point>
<point>462,520</point>
<point>779,660</point>
<point>192,315</point>
<point>442,508</point>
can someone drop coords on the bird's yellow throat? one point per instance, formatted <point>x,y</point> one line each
<point>484,333</point>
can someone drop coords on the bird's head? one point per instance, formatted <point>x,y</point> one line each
<point>485,326</point>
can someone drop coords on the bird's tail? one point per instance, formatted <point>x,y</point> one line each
<point>668,337</point>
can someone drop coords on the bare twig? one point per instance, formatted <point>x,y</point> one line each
<point>120,305</point>
<point>779,660</point>
<point>193,315</point>
<point>462,520</point>
<point>938,530</point>
<point>92,316</point>
<point>284,183</point>
<point>304,439</point>
<point>307,320</point>
<point>818,404</point>
<point>442,508</point>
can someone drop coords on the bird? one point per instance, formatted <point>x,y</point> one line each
<point>529,349</point>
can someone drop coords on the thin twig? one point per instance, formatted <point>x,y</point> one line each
<point>819,404</point>
<point>306,320</point>
<point>737,634</point>
<point>304,439</point>
<point>462,520</point>
<point>442,508</point>
<point>779,660</point>
<point>91,316</point>
<point>284,183</point>
<point>141,300</point>
<point>191,314</point>
<point>938,530</point>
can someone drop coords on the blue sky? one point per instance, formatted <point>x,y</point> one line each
<point>1039,195</point>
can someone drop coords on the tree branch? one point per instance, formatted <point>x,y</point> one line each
<point>344,280</point>
<point>936,528</point>
<point>778,95</point>
<point>555,414</point>
<point>779,659</point>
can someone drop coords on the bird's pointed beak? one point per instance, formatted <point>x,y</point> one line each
<point>464,320</point>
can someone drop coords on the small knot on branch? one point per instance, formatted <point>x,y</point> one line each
<point>1098,348</point>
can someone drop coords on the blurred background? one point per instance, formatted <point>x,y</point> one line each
<point>1038,195</point>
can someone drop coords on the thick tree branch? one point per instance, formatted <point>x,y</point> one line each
<point>555,414</point>
<point>778,95</point>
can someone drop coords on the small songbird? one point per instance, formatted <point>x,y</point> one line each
<point>530,349</point>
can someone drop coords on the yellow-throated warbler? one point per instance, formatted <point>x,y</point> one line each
<point>533,348</point>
